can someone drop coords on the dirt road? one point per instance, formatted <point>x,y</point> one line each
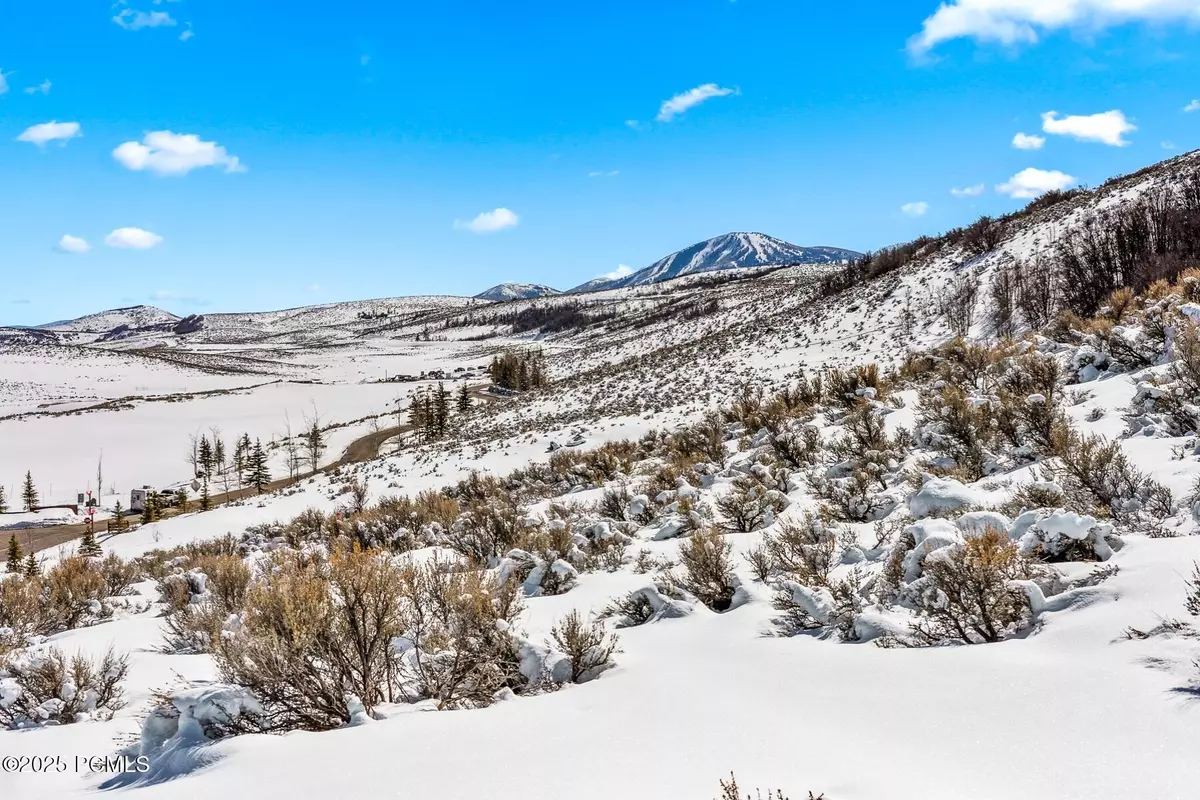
<point>365,448</point>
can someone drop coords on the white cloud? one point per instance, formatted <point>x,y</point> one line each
<point>1168,146</point>
<point>620,272</point>
<point>1030,183</point>
<point>43,87</point>
<point>916,209</point>
<point>1026,141</point>
<point>968,191</point>
<point>4,81</point>
<point>1192,106</point>
<point>49,132</point>
<point>73,244</point>
<point>133,239</point>
<point>167,153</point>
<point>132,20</point>
<point>489,221</point>
<point>689,99</point>
<point>187,34</point>
<point>1108,127</point>
<point>612,173</point>
<point>1011,22</point>
<point>633,123</point>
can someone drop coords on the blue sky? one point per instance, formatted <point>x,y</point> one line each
<point>247,156</point>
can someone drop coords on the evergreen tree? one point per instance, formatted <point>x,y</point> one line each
<point>218,448</point>
<point>464,398</point>
<point>148,510</point>
<point>206,455</point>
<point>88,546</point>
<point>32,570</point>
<point>117,524</point>
<point>260,475</point>
<point>441,409</point>
<point>29,495</point>
<point>14,554</point>
<point>429,413</point>
<point>205,499</point>
<point>3,501</point>
<point>182,503</point>
<point>416,410</point>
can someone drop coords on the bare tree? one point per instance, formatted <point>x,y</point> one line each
<point>291,448</point>
<point>314,438</point>
<point>957,302</point>
<point>193,454</point>
<point>1003,291</point>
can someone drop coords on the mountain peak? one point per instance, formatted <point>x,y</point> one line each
<point>736,250</point>
<point>516,291</point>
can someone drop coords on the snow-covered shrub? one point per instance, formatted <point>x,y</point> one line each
<point>1192,602</point>
<point>707,563</point>
<point>940,496</point>
<point>798,449</point>
<point>587,644</point>
<point>1061,535</point>
<point>200,601</point>
<point>543,562</point>
<point>1095,474</point>
<point>1037,494</point>
<point>850,387</point>
<point>803,550</point>
<point>965,593</point>
<point>647,604</point>
<point>74,589</point>
<point>749,505</point>
<point>195,716</point>
<point>23,611</point>
<point>47,687</point>
<point>118,574</point>
<point>958,427</point>
<point>459,646</point>
<point>701,441</point>
<point>853,498</point>
<point>834,606</point>
<point>315,639</point>
<point>486,531</point>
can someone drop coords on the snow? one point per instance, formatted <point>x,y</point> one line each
<point>941,494</point>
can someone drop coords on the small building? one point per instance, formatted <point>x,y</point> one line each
<point>138,497</point>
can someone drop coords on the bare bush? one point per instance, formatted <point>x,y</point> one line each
<point>458,626</point>
<point>55,690</point>
<point>706,559</point>
<point>957,303</point>
<point>587,644</point>
<point>965,594</point>
<point>748,506</point>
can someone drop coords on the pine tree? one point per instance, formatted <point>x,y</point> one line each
<point>3,501</point>
<point>148,510</point>
<point>29,495</point>
<point>205,499</point>
<point>260,476</point>
<point>117,524</point>
<point>464,398</point>
<point>88,546</point>
<point>218,448</point>
<point>32,570</point>
<point>14,554</point>
<point>441,409</point>
<point>416,410</point>
<point>429,414</point>
<point>206,455</point>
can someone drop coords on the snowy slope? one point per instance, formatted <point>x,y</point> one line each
<point>516,291</point>
<point>730,251</point>
<point>105,321</point>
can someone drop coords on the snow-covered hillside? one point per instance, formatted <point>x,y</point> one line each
<point>919,529</point>
<point>105,321</point>
<point>730,251</point>
<point>516,291</point>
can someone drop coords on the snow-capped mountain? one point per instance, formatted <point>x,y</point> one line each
<point>730,251</point>
<point>516,291</point>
